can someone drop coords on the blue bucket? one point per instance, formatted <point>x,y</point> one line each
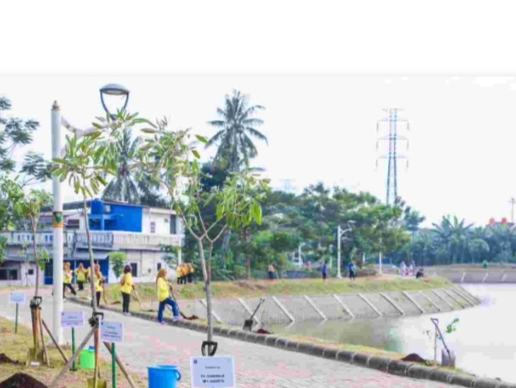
<point>163,376</point>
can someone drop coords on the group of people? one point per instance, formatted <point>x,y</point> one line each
<point>409,271</point>
<point>185,273</point>
<point>164,289</point>
<point>350,266</point>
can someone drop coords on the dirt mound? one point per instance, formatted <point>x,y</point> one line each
<point>4,359</point>
<point>21,380</point>
<point>262,331</point>
<point>413,357</point>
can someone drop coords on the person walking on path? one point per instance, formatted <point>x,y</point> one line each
<point>67,280</point>
<point>484,264</point>
<point>81,273</point>
<point>98,280</point>
<point>351,269</point>
<point>324,270</point>
<point>162,289</point>
<point>191,271</point>
<point>126,286</point>
<point>403,269</point>
<point>271,272</point>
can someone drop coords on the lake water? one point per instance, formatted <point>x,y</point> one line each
<point>484,342</point>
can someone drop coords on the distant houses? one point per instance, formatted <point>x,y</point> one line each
<point>137,230</point>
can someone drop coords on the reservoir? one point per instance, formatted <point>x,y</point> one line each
<point>484,342</point>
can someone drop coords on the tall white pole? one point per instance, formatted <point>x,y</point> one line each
<point>57,226</point>
<point>380,262</point>
<point>299,259</point>
<point>339,275</point>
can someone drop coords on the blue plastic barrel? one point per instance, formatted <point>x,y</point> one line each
<point>163,376</point>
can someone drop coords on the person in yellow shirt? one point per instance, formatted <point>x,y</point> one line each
<point>67,280</point>
<point>179,271</point>
<point>190,269</point>
<point>162,288</point>
<point>81,273</point>
<point>126,286</point>
<point>97,280</point>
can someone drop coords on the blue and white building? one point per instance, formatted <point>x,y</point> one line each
<point>137,230</point>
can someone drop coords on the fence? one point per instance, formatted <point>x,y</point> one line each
<point>283,309</point>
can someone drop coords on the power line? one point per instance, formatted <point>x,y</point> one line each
<point>393,154</point>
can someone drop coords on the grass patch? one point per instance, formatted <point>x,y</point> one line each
<point>257,288</point>
<point>15,346</point>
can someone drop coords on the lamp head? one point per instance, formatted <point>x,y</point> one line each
<point>114,97</point>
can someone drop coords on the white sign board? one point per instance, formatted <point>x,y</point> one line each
<point>72,319</point>
<point>17,297</point>
<point>111,331</point>
<point>213,372</point>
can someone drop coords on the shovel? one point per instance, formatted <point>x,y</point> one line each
<point>140,303</point>
<point>248,323</point>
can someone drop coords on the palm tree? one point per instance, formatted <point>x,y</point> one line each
<point>453,235</point>
<point>123,187</point>
<point>237,127</point>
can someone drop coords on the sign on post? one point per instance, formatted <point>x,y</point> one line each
<point>72,319</point>
<point>213,372</point>
<point>111,331</point>
<point>17,297</point>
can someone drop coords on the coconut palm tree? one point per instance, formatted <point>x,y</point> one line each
<point>124,187</point>
<point>453,234</point>
<point>236,128</point>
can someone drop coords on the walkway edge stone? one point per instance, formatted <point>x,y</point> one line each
<point>387,365</point>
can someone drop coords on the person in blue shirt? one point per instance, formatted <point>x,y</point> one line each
<point>324,271</point>
<point>351,269</point>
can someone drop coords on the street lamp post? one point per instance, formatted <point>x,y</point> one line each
<point>57,216</point>
<point>340,233</point>
<point>57,226</point>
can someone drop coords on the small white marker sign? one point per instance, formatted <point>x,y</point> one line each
<point>213,372</point>
<point>72,319</point>
<point>17,297</point>
<point>111,331</point>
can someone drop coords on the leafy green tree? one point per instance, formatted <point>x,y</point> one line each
<point>452,235</point>
<point>30,208</point>
<point>16,132</point>
<point>86,163</point>
<point>118,260</point>
<point>11,193</point>
<point>172,158</point>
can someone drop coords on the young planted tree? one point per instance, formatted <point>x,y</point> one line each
<point>86,163</point>
<point>30,208</point>
<point>173,160</point>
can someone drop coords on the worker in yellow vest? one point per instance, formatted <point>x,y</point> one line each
<point>67,280</point>
<point>126,286</point>
<point>81,274</point>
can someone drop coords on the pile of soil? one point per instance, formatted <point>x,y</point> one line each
<point>413,357</point>
<point>262,331</point>
<point>21,380</point>
<point>6,360</point>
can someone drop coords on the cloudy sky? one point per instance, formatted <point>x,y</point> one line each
<point>462,129</point>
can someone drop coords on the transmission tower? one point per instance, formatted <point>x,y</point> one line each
<point>287,186</point>
<point>392,156</point>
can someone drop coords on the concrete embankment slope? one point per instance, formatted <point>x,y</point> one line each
<point>285,309</point>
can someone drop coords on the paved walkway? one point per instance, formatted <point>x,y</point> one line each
<point>147,343</point>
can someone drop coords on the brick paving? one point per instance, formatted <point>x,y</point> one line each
<point>147,343</point>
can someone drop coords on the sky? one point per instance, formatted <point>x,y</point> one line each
<point>324,129</point>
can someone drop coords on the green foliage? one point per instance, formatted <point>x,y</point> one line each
<point>451,327</point>
<point>118,260</point>
<point>43,258</point>
<point>3,246</point>
<point>11,194</point>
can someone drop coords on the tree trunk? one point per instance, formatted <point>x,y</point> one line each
<point>248,265</point>
<point>90,253</point>
<point>207,285</point>
<point>35,247</point>
<point>225,243</point>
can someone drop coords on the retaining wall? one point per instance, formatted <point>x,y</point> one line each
<point>387,365</point>
<point>286,309</point>
<point>476,277</point>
